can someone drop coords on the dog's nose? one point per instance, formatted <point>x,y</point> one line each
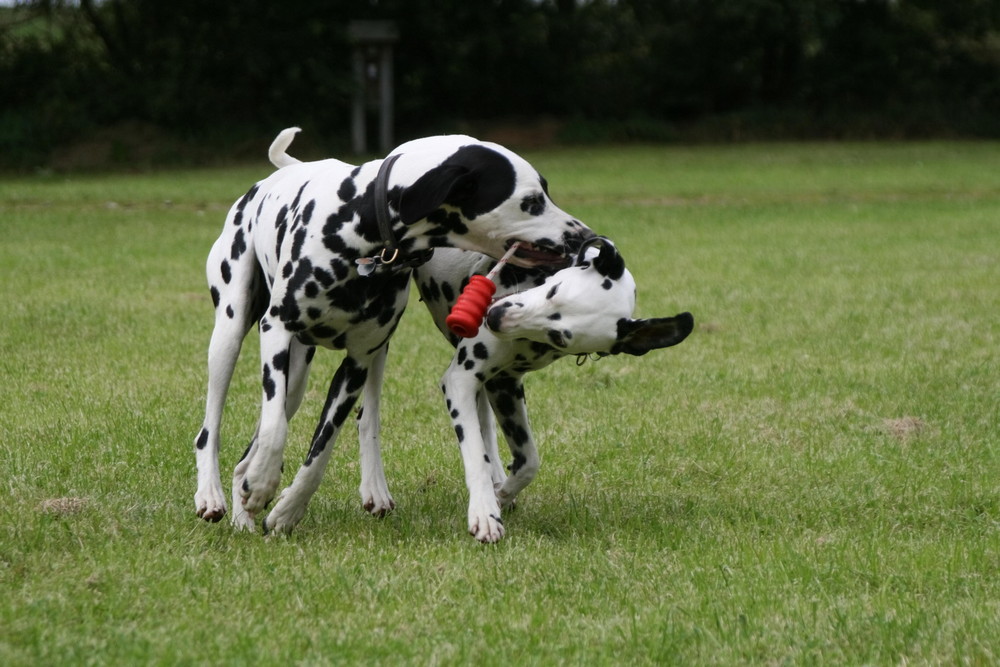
<point>494,316</point>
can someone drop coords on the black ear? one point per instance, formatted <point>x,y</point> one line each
<point>475,179</point>
<point>637,337</point>
<point>431,190</point>
<point>609,262</point>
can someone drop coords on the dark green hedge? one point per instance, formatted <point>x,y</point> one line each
<point>226,72</point>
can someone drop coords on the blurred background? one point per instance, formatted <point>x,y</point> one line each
<point>141,83</point>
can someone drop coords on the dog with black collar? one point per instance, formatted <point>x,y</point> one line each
<point>302,255</point>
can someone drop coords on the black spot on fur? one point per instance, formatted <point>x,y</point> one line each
<point>281,220</point>
<point>280,361</point>
<point>323,277</point>
<point>308,211</point>
<point>226,272</point>
<point>460,432</point>
<point>230,313</point>
<point>515,433</point>
<point>323,332</point>
<point>348,189</point>
<point>298,240</point>
<point>479,351</point>
<point>239,245</point>
<point>268,383</point>
<point>430,290</point>
<point>504,404</point>
<point>533,204</point>
<point>215,296</point>
<point>552,292</point>
<point>202,439</point>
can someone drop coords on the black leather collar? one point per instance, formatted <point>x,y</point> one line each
<point>390,256</point>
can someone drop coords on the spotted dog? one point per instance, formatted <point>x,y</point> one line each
<point>539,316</point>
<point>317,254</point>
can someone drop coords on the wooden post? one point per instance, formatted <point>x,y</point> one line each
<point>372,69</point>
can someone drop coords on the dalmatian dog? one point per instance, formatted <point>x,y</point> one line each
<point>319,254</point>
<point>539,316</point>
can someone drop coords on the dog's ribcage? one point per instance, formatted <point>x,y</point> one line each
<point>313,292</point>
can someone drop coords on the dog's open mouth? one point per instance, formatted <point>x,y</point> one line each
<point>529,254</point>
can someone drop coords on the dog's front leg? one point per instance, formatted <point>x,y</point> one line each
<point>506,394</point>
<point>300,358</point>
<point>374,489</point>
<point>345,388</point>
<point>263,468</point>
<point>487,425</point>
<point>461,389</point>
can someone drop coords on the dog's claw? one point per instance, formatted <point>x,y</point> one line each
<point>213,516</point>
<point>487,530</point>
<point>379,511</point>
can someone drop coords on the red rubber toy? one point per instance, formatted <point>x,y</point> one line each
<point>470,308</point>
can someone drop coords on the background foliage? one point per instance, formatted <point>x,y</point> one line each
<point>228,72</point>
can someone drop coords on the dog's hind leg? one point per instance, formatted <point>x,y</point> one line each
<point>300,358</point>
<point>346,386</point>
<point>374,489</point>
<point>234,287</point>
<point>506,393</point>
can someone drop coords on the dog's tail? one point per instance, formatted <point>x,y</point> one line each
<point>276,153</point>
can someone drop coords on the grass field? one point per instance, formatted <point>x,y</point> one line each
<point>812,477</point>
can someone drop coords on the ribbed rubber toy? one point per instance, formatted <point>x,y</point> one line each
<point>470,308</point>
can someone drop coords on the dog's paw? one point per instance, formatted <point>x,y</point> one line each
<point>485,524</point>
<point>210,504</point>
<point>284,517</point>
<point>506,499</point>
<point>242,520</point>
<point>259,487</point>
<point>376,500</point>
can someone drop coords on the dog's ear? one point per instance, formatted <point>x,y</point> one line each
<point>609,262</point>
<point>637,337</point>
<point>439,185</point>
<point>475,179</point>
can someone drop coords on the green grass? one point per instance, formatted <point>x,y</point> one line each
<point>810,478</point>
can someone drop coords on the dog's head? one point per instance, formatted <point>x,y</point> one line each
<point>482,197</point>
<point>587,308</point>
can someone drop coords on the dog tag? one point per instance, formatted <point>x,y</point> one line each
<point>367,265</point>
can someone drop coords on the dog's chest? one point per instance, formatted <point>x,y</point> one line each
<point>307,242</point>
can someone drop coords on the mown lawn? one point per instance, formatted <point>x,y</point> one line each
<point>812,477</point>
